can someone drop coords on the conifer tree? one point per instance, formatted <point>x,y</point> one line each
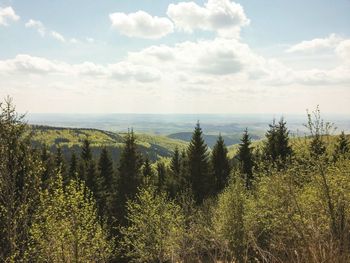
<point>175,164</point>
<point>86,154</point>
<point>220,164</point>
<point>161,171</point>
<point>147,172</point>
<point>342,146</point>
<point>20,178</point>
<point>106,184</point>
<point>129,175</point>
<point>270,147</point>
<point>284,149</point>
<point>92,178</point>
<point>245,156</point>
<point>105,167</point>
<point>198,166</point>
<point>277,148</point>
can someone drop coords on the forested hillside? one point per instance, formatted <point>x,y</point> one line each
<point>82,195</point>
<point>71,140</point>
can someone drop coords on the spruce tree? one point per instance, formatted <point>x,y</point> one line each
<point>92,178</point>
<point>277,148</point>
<point>175,164</point>
<point>342,146</point>
<point>220,164</point>
<point>147,172</point>
<point>270,147</point>
<point>106,181</point>
<point>245,156</point>
<point>105,168</point>
<point>86,154</point>
<point>129,175</point>
<point>198,166</point>
<point>20,179</point>
<point>161,171</point>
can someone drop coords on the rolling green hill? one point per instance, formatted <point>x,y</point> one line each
<point>153,146</point>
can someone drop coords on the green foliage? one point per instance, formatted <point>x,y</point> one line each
<point>155,226</point>
<point>65,227</point>
<point>220,165</point>
<point>228,221</point>
<point>277,148</point>
<point>342,147</point>
<point>20,174</point>
<point>129,175</point>
<point>198,166</point>
<point>245,157</point>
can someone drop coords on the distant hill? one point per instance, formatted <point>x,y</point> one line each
<point>153,146</point>
<point>211,139</point>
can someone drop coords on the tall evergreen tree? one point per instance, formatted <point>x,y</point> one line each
<point>198,166</point>
<point>129,175</point>
<point>175,164</point>
<point>270,149</point>
<point>92,178</point>
<point>106,184</point>
<point>161,171</point>
<point>277,148</point>
<point>284,149</point>
<point>20,178</point>
<point>86,154</point>
<point>245,156</point>
<point>147,172</point>
<point>105,168</point>
<point>220,164</point>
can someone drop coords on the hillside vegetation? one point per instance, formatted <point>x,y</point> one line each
<point>71,139</point>
<point>277,200</point>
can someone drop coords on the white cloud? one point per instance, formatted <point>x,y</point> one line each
<point>121,71</point>
<point>343,50</point>
<point>141,25</point>
<point>58,36</point>
<point>36,25</point>
<point>223,16</point>
<point>317,44</point>
<point>7,14</point>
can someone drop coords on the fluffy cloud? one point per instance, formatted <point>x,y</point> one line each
<point>7,14</point>
<point>218,57</point>
<point>26,64</point>
<point>36,25</point>
<point>223,16</point>
<point>316,44</point>
<point>343,50</point>
<point>141,24</point>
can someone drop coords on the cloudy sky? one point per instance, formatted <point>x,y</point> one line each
<point>211,56</point>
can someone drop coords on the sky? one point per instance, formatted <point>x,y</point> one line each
<point>177,56</point>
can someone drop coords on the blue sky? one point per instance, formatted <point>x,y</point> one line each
<point>212,56</point>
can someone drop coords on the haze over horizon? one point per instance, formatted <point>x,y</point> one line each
<point>205,56</point>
